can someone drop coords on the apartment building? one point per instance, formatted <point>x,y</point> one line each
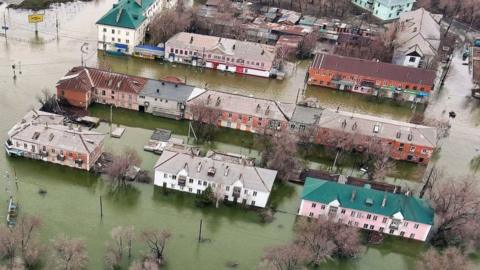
<point>385,10</point>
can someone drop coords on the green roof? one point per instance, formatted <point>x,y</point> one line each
<point>368,200</point>
<point>126,14</point>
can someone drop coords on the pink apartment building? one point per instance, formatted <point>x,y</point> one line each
<point>367,208</point>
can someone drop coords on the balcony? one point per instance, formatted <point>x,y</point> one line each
<point>182,181</point>
<point>61,157</point>
<point>237,191</point>
<point>395,224</point>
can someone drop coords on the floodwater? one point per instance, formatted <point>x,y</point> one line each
<point>71,205</point>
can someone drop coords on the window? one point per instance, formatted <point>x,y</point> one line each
<point>199,191</point>
<point>245,192</point>
<point>402,233</point>
<point>356,224</point>
<point>412,148</point>
<point>199,182</point>
<point>375,218</point>
<point>359,215</point>
<point>190,189</point>
<point>411,59</point>
<point>343,211</point>
<point>254,193</point>
<point>127,41</point>
<point>365,226</point>
<point>113,39</point>
<point>313,205</point>
<point>227,188</point>
<point>190,180</point>
<point>253,202</point>
<point>352,214</point>
<point>204,183</point>
<point>392,231</point>
<point>126,33</point>
<point>349,223</point>
<point>369,216</point>
<point>104,29</point>
<point>310,214</point>
<point>174,176</point>
<point>384,220</point>
<point>372,227</point>
<point>405,224</point>
<point>322,207</point>
<point>415,226</point>
<point>113,31</point>
<point>412,235</point>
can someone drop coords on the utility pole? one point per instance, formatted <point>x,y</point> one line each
<point>101,207</point>
<point>5,27</point>
<point>56,22</point>
<point>83,50</point>
<point>111,119</point>
<point>200,231</point>
<point>20,67</point>
<point>14,73</point>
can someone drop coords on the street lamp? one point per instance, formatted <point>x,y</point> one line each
<point>83,50</point>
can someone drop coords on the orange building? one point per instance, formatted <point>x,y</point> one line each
<point>371,77</point>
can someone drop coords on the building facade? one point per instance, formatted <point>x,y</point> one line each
<point>385,10</point>
<point>43,136</point>
<point>371,77</point>
<point>365,208</point>
<point>167,99</point>
<point>232,178</point>
<point>82,86</point>
<point>123,27</point>
<point>224,54</point>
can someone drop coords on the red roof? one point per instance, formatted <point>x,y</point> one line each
<point>380,70</point>
<point>84,78</point>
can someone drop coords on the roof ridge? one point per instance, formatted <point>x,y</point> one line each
<point>175,154</point>
<point>261,179</point>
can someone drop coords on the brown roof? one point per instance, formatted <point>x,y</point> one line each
<point>370,68</point>
<point>84,78</point>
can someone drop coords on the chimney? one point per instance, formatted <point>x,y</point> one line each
<point>208,99</point>
<point>217,103</point>
<point>263,52</point>
<point>233,47</point>
<point>227,169</point>
<point>191,39</point>
<point>163,83</point>
<point>258,108</point>
<point>267,110</point>
<point>199,167</point>
<point>384,201</point>
<point>158,90</point>
<point>354,193</point>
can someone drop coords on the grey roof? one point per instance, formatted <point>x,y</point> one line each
<point>56,135</point>
<point>169,91</point>
<point>161,134</point>
<point>418,31</point>
<point>364,124</point>
<point>247,105</point>
<point>226,173</point>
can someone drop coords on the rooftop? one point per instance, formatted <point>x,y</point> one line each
<point>375,69</point>
<point>379,202</point>
<point>238,49</point>
<point>225,172</point>
<point>126,14</point>
<point>247,105</point>
<point>170,91</point>
<point>55,134</point>
<point>86,78</point>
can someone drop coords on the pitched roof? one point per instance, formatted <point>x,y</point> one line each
<point>170,91</point>
<point>375,69</point>
<point>236,48</point>
<point>48,130</point>
<point>126,14</point>
<point>418,31</point>
<point>410,207</point>
<point>84,78</point>
<point>258,107</point>
<point>226,171</point>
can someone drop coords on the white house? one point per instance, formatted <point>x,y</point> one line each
<point>417,39</point>
<point>385,10</point>
<point>123,27</point>
<point>233,178</point>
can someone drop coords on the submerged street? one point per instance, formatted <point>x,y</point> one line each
<point>71,205</point>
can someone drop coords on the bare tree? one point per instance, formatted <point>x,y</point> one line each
<point>324,239</point>
<point>282,155</point>
<point>69,254</point>
<point>285,257</point>
<point>457,212</point>
<point>116,171</point>
<point>450,258</point>
<point>442,127</point>
<point>156,241</point>
<point>204,120</point>
<point>122,240</point>
<point>48,101</point>
<point>20,243</point>
<point>307,45</point>
<point>379,163</point>
<point>169,22</point>
<point>145,264</point>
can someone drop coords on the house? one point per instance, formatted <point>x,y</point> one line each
<point>371,77</point>
<point>224,54</point>
<point>289,17</point>
<point>82,86</point>
<point>417,39</point>
<point>43,136</point>
<point>165,98</point>
<point>385,10</point>
<point>123,27</point>
<point>245,113</point>
<point>366,208</point>
<point>232,178</point>
<point>404,141</point>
